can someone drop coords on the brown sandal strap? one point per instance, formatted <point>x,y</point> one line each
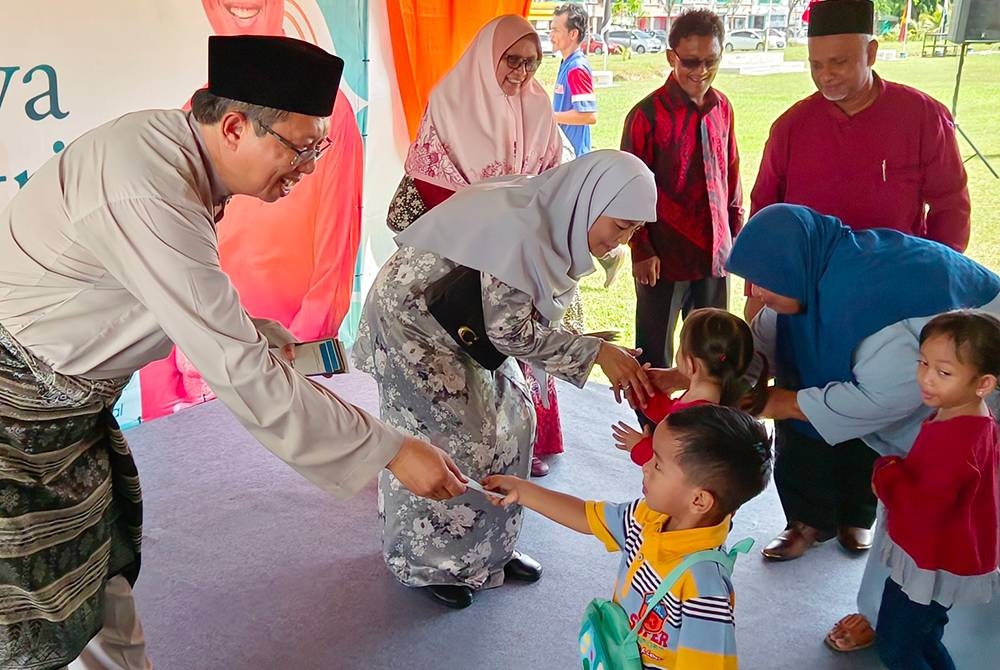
<point>856,633</point>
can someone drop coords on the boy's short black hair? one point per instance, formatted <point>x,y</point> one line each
<point>701,22</point>
<point>723,450</point>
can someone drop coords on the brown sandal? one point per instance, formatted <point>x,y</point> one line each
<point>852,633</point>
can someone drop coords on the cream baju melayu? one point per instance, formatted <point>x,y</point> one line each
<point>107,257</point>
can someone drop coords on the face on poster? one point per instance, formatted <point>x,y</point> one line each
<point>245,17</point>
<point>94,61</point>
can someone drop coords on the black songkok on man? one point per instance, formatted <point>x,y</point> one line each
<point>278,72</point>
<point>841,17</point>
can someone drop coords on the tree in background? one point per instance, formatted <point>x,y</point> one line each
<point>727,9</point>
<point>924,16</point>
<point>626,10</point>
<point>894,8</point>
<point>668,7</point>
<point>795,8</point>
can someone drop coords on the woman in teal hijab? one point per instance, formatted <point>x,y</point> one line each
<point>844,312</point>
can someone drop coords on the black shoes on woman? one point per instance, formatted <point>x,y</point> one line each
<point>520,567</point>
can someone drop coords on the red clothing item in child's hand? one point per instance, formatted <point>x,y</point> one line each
<point>658,408</point>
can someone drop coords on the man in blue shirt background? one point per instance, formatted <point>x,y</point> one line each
<point>573,98</point>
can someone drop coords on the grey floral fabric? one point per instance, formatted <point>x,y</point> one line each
<point>430,388</point>
<point>405,207</point>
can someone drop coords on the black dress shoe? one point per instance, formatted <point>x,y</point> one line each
<point>523,568</point>
<point>455,596</point>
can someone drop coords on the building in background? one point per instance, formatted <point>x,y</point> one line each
<point>656,16</point>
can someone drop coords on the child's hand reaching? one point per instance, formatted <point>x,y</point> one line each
<point>561,508</point>
<point>508,485</point>
<point>626,437</point>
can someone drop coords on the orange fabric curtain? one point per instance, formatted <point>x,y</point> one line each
<point>428,36</point>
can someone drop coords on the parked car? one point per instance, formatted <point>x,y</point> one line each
<point>653,36</point>
<point>743,40</point>
<point>546,41</point>
<point>596,46</point>
<point>797,35</point>
<point>660,35</point>
<point>753,40</point>
<point>636,40</point>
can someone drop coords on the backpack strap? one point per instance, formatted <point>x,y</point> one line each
<point>724,558</point>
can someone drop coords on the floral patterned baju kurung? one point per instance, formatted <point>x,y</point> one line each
<point>430,388</point>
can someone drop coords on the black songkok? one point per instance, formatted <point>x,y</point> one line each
<point>841,17</point>
<point>278,72</point>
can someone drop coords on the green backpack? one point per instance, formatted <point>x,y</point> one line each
<point>606,640</point>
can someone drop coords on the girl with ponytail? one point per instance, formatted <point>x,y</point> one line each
<point>715,353</point>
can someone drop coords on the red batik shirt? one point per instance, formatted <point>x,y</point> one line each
<point>699,205</point>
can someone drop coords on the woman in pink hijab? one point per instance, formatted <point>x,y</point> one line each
<point>487,117</point>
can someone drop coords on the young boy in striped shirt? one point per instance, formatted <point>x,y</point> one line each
<point>708,460</point>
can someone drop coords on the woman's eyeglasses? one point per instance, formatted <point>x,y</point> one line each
<point>515,62</point>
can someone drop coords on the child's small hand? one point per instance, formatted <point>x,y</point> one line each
<point>626,437</point>
<point>508,485</point>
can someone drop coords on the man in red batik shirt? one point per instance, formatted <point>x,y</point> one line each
<point>684,132</point>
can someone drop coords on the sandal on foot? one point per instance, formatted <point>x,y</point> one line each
<point>852,633</point>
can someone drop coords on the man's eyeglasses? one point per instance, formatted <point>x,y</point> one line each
<point>515,62</point>
<point>697,63</point>
<point>302,156</point>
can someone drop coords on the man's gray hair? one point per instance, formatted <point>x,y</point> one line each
<point>209,109</point>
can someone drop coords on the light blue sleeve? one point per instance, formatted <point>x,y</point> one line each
<point>764,327</point>
<point>882,405</point>
<point>707,636</point>
<point>614,521</point>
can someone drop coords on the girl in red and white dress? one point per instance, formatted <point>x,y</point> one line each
<point>942,498</point>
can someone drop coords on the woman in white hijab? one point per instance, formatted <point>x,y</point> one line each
<point>531,239</point>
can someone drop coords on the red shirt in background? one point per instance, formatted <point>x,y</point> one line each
<point>699,205</point>
<point>881,168</point>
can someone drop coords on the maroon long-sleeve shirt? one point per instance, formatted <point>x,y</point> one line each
<point>894,165</point>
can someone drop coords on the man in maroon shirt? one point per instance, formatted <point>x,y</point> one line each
<point>684,132</point>
<point>876,155</point>
<point>873,153</point>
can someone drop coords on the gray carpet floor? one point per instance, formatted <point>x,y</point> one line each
<point>248,566</point>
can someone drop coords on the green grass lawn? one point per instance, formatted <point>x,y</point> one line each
<point>759,100</point>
